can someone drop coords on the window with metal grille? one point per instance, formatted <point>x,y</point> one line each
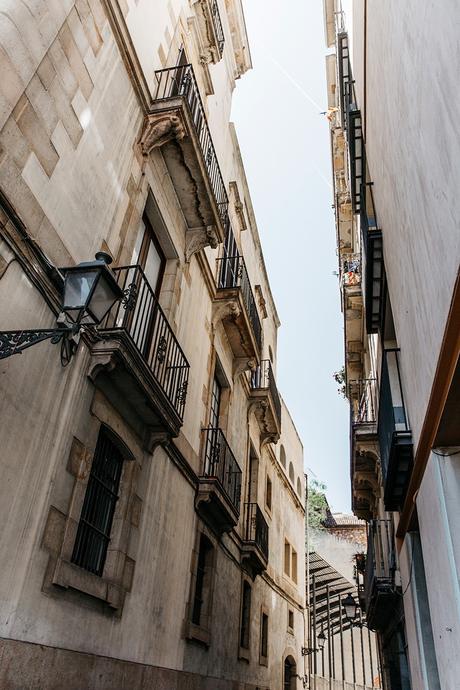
<point>202,584</point>
<point>93,535</point>
<point>245,616</point>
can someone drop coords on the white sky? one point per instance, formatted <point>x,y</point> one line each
<point>285,147</point>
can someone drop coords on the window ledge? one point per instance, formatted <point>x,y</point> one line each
<point>69,575</point>
<point>244,654</point>
<point>197,633</point>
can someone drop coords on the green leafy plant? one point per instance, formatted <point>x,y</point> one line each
<point>340,377</point>
<point>316,505</point>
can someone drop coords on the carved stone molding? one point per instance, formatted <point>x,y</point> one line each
<point>222,310</point>
<point>238,204</point>
<point>242,364</point>
<point>159,129</point>
<point>261,301</point>
<point>199,238</point>
<point>156,438</point>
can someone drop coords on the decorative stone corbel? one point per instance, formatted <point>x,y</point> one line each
<point>153,439</point>
<point>105,362</point>
<point>268,438</point>
<point>222,310</point>
<point>159,129</point>
<point>242,364</point>
<point>199,238</point>
<point>206,56</point>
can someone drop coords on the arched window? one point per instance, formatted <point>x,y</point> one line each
<point>299,487</point>
<point>290,671</point>
<point>282,456</point>
<point>291,472</point>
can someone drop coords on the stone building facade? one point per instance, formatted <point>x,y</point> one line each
<point>392,104</point>
<point>152,495</point>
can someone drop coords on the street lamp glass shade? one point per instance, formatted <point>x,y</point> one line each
<point>90,290</point>
<point>350,607</point>
<point>321,640</point>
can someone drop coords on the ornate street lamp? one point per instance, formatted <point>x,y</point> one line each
<point>90,291</point>
<point>320,641</point>
<point>350,607</point>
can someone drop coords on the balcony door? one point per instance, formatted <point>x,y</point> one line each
<point>148,262</point>
<point>213,438</point>
<point>149,256</point>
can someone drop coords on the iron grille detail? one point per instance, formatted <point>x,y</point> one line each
<point>141,317</point>
<point>174,82</point>
<point>217,24</point>
<point>93,535</point>
<point>263,377</point>
<point>256,528</point>
<point>220,463</point>
<point>232,274</point>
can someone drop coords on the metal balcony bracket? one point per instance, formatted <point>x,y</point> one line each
<point>197,239</point>
<point>15,342</point>
<point>159,129</point>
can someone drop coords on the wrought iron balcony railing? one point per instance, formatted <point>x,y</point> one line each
<point>256,528</point>
<point>395,437</point>
<point>379,574</point>
<point>363,394</point>
<point>372,245</point>
<point>263,378</point>
<point>142,318</point>
<point>174,82</point>
<point>232,273</point>
<point>217,24</point>
<point>220,464</point>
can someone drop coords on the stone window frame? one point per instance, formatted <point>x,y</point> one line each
<point>263,660</point>
<point>290,615</point>
<point>192,632</point>
<point>291,560</point>
<point>64,578</point>
<point>243,652</point>
<point>268,499</point>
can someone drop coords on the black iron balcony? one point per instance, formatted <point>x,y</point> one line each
<point>138,362</point>
<point>242,323</point>
<point>395,436</point>
<point>263,388</point>
<point>255,544</point>
<point>363,394</point>
<point>217,26</point>
<point>346,91</point>
<point>357,157</point>
<point>372,244</point>
<point>177,123</point>
<point>363,440</point>
<point>381,595</point>
<point>219,491</point>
